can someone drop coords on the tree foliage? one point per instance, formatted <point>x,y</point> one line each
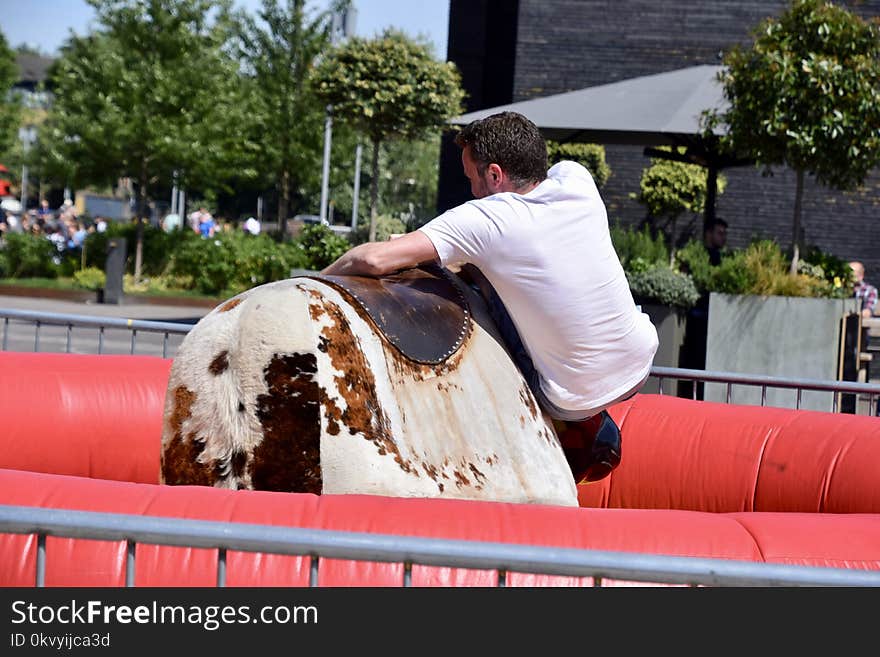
<point>9,109</point>
<point>152,91</point>
<point>286,117</point>
<point>591,156</point>
<point>669,188</point>
<point>806,94</point>
<point>388,88</point>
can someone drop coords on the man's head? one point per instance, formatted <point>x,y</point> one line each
<point>502,153</point>
<point>858,271</point>
<point>715,233</point>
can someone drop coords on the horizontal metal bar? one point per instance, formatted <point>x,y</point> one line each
<point>89,321</point>
<point>542,560</point>
<point>763,380</point>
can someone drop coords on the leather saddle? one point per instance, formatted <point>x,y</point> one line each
<point>421,311</point>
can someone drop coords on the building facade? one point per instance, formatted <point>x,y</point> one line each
<point>514,50</point>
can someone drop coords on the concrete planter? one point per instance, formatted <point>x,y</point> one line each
<point>670,324</point>
<point>792,337</point>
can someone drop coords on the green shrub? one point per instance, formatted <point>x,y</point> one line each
<point>591,156</point>
<point>30,256</point>
<point>158,248</point>
<point>206,265</point>
<point>835,272</point>
<point>90,278</point>
<point>232,261</point>
<point>638,250</point>
<point>763,269</point>
<point>260,259</point>
<point>693,259</point>
<point>320,246</point>
<point>662,285</point>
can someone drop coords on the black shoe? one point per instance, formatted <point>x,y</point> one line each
<point>600,448</point>
<point>592,447</point>
<point>605,451</point>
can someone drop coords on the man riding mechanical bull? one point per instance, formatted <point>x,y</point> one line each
<point>473,358</point>
<point>536,245</point>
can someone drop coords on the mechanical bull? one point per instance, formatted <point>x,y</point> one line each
<point>397,386</point>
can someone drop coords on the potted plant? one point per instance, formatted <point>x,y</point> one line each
<point>765,320</point>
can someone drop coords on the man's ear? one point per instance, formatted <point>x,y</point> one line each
<point>494,176</point>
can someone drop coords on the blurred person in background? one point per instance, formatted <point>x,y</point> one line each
<point>863,290</point>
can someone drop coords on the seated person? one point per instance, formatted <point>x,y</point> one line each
<point>536,244</point>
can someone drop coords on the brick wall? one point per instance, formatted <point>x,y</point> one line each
<point>562,45</point>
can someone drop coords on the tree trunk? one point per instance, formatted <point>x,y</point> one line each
<point>139,232</point>
<point>374,191</point>
<point>711,195</point>
<point>796,223</point>
<point>283,203</point>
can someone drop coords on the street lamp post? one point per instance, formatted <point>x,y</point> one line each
<point>27,135</point>
<point>341,28</point>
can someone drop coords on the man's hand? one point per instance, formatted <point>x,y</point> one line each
<point>380,258</point>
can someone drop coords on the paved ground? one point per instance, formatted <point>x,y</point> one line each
<point>80,337</point>
<point>127,310</point>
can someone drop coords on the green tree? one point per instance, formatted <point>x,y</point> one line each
<point>154,90</point>
<point>806,94</point>
<point>408,183</point>
<point>389,88</point>
<point>591,156</point>
<point>9,108</point>
<point>286,117</point>
<point>669,188</point>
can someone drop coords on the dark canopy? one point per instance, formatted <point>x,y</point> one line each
<point>652,110</point>
<point>648,110</point>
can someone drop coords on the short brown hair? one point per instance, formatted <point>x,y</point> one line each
<point>509,140</point>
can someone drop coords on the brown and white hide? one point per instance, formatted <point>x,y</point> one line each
<point>289,387</point>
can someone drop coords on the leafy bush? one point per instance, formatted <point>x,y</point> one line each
<point>29,255</point>
<point>638,249</point>
<point>320,246</point>
<point>693,258</point>
<point>836,273</point>
<point>260,259</point>
<point>90,278</point>
<point>159,246</point>
<point>763,269</point>
<point>592,156</point>
<point>668,188</point>
<point>206,265</point>
<point>662,285</point>
<point>645,260</point>
<point>234,261</point>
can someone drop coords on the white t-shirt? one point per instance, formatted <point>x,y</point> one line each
<point>549,256</point>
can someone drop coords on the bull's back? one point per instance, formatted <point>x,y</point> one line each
<point>290,387</point>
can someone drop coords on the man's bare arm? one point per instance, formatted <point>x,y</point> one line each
<point>380,258</point>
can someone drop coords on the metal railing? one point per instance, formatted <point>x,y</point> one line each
<point>318,544</point>
<point>40,320</point>
<point>409,551</point>
<point>870,390</point>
